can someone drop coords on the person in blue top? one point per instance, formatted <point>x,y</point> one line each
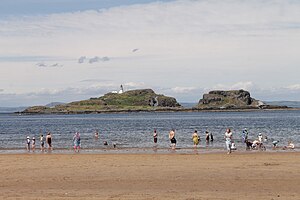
<point>76,140</point>
<point>245,135</point>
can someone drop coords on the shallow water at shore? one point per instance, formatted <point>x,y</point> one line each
<point>133,131</point>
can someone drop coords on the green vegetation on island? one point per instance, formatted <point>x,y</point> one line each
<point>130,101</point>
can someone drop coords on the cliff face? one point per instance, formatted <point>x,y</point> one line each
<point>134,100</point>
<point>228,99</point>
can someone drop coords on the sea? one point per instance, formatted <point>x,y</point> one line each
<point>133,132</point>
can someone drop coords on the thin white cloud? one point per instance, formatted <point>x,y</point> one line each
<point>248,85</point>
<point>294,87</point>
<point>42,64</point>
<point>183,90</point>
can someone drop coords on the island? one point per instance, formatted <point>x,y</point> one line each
<point>146,100</point>
<point>129,101</point>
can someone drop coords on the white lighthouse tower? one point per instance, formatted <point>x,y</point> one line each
<point>121,90</point>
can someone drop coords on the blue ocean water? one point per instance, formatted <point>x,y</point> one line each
<point>134,130</point>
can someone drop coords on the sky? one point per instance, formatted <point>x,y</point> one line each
<point>68,50</point>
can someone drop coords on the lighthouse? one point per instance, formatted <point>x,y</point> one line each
<point>121,89</point>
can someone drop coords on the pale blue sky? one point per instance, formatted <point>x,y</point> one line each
<point>14,8</point>
<point>67,50</point>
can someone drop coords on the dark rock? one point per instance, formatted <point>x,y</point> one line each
<point>228,100</point>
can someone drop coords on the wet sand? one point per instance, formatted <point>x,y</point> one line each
<point>255,175</point>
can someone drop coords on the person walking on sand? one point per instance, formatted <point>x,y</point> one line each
<point>228,140</point>
<point>49,141</point>
<point>172,138</point>
<point>33,144</point>
<point>76,140</point>
<point>28,143</point>
<point>155,135</point>
<point>42,142</point>
<point>195,138</point>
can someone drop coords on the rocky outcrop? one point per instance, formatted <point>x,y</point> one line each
<point>134,100</point>
<point>228,99</point>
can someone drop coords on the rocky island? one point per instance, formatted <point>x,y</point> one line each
<point>129,101</point>
<point>232,100</point>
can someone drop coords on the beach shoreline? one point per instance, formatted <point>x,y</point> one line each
<point>261,175</point>
<point>145,150</point>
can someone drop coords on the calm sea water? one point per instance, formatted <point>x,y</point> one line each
<point>134,130</point>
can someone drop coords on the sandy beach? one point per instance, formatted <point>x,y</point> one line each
<point>152,176</point>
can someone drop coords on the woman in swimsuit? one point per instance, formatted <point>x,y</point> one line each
<point>155,136</point>
<point>49,141</point>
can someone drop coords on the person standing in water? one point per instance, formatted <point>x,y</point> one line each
<point>155,135</point>
<point>33,144</point>
<point>245,135</point>
<point>207,137</point>
<point>96,135</point>
<point>211,137</point>
<point>28,143</point>
<point>195,138</point>
<point>42,142</point>
<point>172,138</point>
<point>76,140</point>
<point>49,141</point>
<point>228,140</point>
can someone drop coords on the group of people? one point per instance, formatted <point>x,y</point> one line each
<point>195,137</point>
<point>31,143</point>
<point>229,142</point>
<point>228,136</point>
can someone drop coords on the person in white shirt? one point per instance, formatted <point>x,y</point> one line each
<point>228,140</point>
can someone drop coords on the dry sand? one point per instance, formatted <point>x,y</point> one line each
<point>152,176</point>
